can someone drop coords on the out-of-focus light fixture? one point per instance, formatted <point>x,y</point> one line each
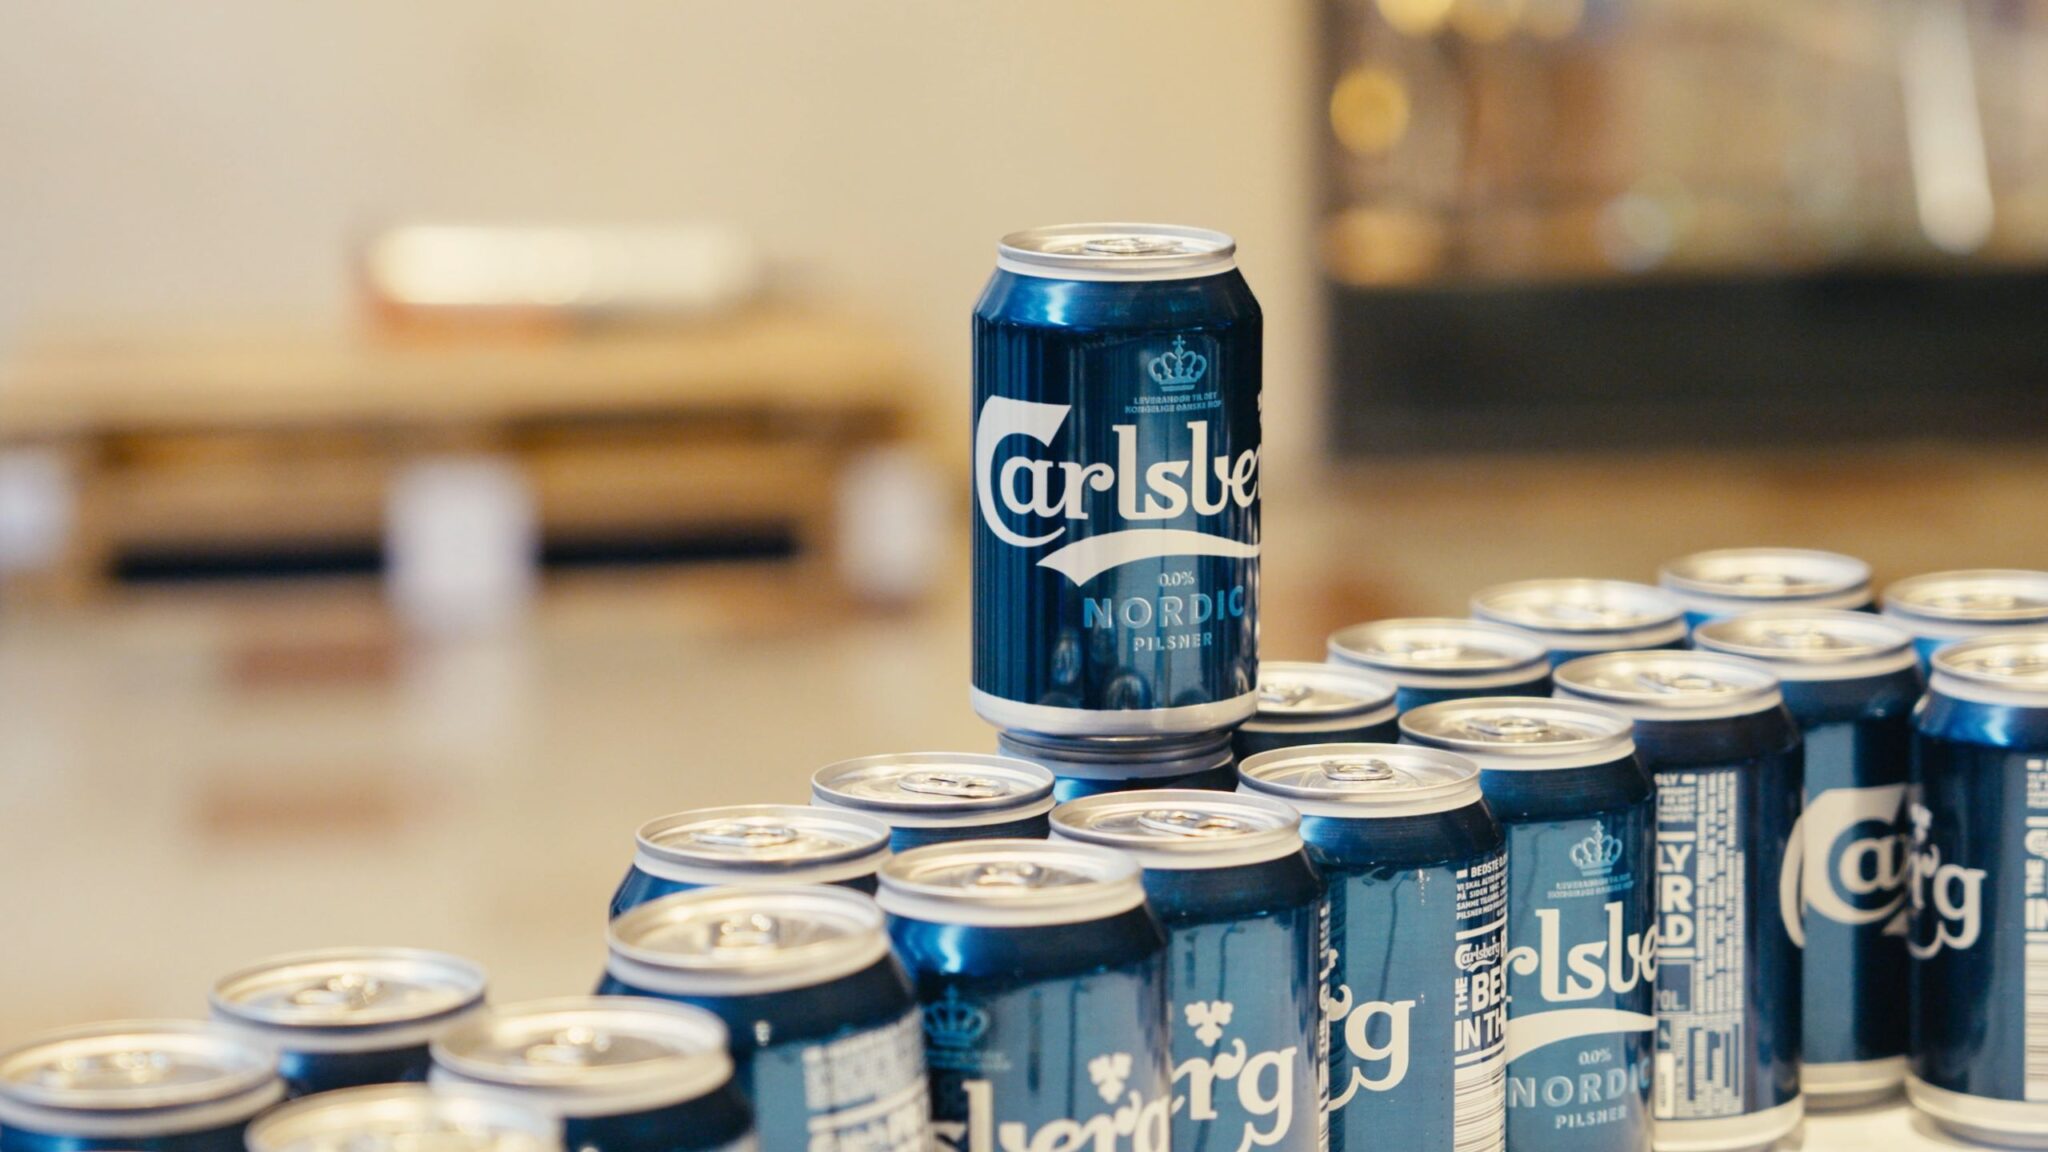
<point>1944,131</point>
<point>1636,232</point>
<point>1416,17</point>
<point>1486,21</point>
<point>1369,110</point>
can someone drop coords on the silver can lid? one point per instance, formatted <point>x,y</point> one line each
<point>1811,643</point>
<point>936,787</point>
<point>406,1118</point>
<point>768,838</point>
<point>2008,667</point>
<point>129,1067</point>
<point>1010,883</point>
<point>337,988</point>
<point>590,1055</point>
<point>1583,609</point>
<point>1440,650</point>
<point>1183,828</point>
<point>1117,252</point>
<point>739,941</point>
<point>1770,575</point>
<point>1363,781</point>
<point>1120,757</point>
<point>1671,685</point>
<point>1996,597</point>
<point>1523,732</point>
<point>1294,692</point>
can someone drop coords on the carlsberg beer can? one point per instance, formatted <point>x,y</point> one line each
<point>1116,483</point>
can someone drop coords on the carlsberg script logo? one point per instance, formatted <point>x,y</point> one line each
<point>1136,1124</point>
<point>1262,1083</point>
<point>1572,974</point>
<point>1375,1033</point>
<point>1057,490</point>
<point>1855,870</point>
<point>1946,899</point>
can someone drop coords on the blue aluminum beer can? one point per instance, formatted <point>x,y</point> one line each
<point>1944,606</point>
<point>1317,704</point>
<point>1977,891</point>
<point>1418,886</point>
<point>1731,581</point>
<point>406,1118</point>
<point>1850,680</point>
<point>1574,618</point>
<point>142,1085</point>
<point>1432,658</point>
<point>1245,922</point>
<point>1116,483</point>
<point>1726,755</point>
<point>346,1017</point>
<point>625,1074</point>
<point>1579,811</point>
<point>1043,979</point>
<point>938,797</point>
<point>825,1032</point>
<point>1089,765</point>
<point>752,844</point>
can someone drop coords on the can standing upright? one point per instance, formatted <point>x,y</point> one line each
<point>412,1116</point>
<point>1732,581</point>
<point>1417,873</point>
<point>752,844</point>
<point>1317,704</point>
<point>346,1017</point>
<point>1579,810</point>
<point>1978,891</point>
<point>145,1085</point>
<point>937,797</point>
<point>1714,733</point>
<point>1116,482</point>
<point>1940,607</point>
<point>1043,979</point>
<point>1432,658</point>
<point>1576,618</point>
<point>1245,929</point>
<point>1850,681</point>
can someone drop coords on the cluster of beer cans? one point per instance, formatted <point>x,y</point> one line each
<point>1606,867</point>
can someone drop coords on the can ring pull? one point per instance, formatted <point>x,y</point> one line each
<point>133,1066</point>
<point>1682,683</point>
<point>1131,246</point>
<point>1009,874</point>
<point>346,990</point>
<point>956,784</point>
<point>1283,693</point>
<point>740,834</point>
<point>1184,822</point>
<point>749,932</point>
<point>573,1047</point>
<point>1792,637</point>
<point>1512,729</point>
<point>1367,771</point>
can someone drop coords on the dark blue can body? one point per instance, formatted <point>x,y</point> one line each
<point>1412,696</point>
<point>1729,793</point>
<point>1244,978</point>
<point>225,1139</point>
<point>1978,897</point>
<point>1090,766</point>
<point>866,1022</point>
<point>639,887</point>
<point>1582,969</point>
<point>1417,1011</point>
<point>903,838</point>
<point>1116,523</point>
<point>1858,736</point>
<point>1030,1031</point>
<point>305,1073</point>
<point>1253,738</point>
<point>717,1120</point>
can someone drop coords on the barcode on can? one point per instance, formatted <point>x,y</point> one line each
<point>1479,1106</point>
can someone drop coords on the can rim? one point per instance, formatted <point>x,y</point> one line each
<point>464,980</point>
<point>678,1074</point>
<point>1613,739</point>
<point>1662,616</point>
<point>872,841</point>
<point>862,944</point>
<point>1343,649</point>
<point>1456,787</point>
<point>1897,601</point>
<point>1886,649</point>
<point>1953,678</point>
<point>827,787</point>
<point>1111,885</point>
<point>243,1070</point>
<point>1090,251</point>
<point>1363,690</point>
<point>1687,575</point>
<point>1755,687</point>
<point>1277,834</point>
<point>315,1116</point>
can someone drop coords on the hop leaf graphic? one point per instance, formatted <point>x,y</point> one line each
<point>1109,1072</point>
<point>1208,1018</point>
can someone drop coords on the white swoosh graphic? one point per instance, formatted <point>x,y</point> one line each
<point>1083,560</point>
<point>1529,1033</point>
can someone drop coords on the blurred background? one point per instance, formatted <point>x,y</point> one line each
<point>435,439</point>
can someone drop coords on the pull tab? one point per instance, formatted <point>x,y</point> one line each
<point>1131,246</point>
<point>1283,694</point>
<point>1588,612</point>
<point>1763,580</point>
<point>1009,874</point>
<point>955,784</point>
<point>575,1047</point>
<point>1800,639</point>
<point>350,990</point>
<point>2030,666</point>
<point>753,932</point>
<point>1433,652</point>
<point>1368,771</point>
<point>1682,683</point>
<point>1511,729</point>
<point>1182,822</point>
<point>1975,601</point>
<point>135,1067</point>
<point>752,837</point>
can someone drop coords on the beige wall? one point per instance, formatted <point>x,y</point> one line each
<point>211,157</point>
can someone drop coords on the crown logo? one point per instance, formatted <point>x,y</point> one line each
<point>1598,852</point>
<point>1178,370</point>
<point>953,1023</point>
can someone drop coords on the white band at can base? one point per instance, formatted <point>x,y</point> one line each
<point>2009,1123</point>
<point>1731,1133</point>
